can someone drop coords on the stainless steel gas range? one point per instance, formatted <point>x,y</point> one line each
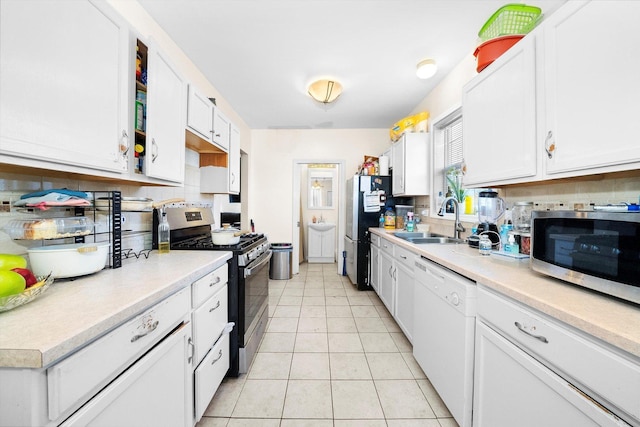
<point>248,277</point>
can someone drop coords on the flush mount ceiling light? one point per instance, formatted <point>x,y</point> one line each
<point>426,68</point>
<point>325,90</point>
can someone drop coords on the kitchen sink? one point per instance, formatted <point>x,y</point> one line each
<point>437,240</point>
<point>415,234</point>
<point>421,237</point>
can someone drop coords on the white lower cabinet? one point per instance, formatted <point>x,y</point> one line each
<point>137,374</point>
<point>211,344</point>
<point>155,391</point>
<point>513,389</point>
<point>209,374</point>
<point>404,260</point>
<point>533,371</point>
<point>322,245</point>
<point>374,260</point>
<point>387,292</point>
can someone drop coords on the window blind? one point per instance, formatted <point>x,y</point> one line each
<point>453,143</point>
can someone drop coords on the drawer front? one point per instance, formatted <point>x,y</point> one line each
<point>208,323</point>
<point>405,257</point>
<point>587,364</point>
<point>82,374</point>
<point>206,286</point>
<point>210,373</point>
<point>386,246</point>
<point>375,240</point>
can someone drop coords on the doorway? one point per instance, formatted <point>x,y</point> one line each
<point>300,179</point>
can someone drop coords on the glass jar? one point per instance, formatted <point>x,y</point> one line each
<point>484,245</point>
<point>521,216</point>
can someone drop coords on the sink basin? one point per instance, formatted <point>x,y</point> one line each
<point>437,240</point>
<point>420,237</point>
<point>321,226</point>
<point>415,234</point>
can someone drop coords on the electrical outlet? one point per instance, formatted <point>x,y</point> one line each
<point>5,206</point>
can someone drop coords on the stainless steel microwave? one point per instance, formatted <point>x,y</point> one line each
<point>597,250</point>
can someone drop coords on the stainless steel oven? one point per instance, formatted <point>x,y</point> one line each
<point>597,250</point>
<point>254,282</point>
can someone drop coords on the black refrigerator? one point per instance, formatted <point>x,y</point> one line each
<point>367,197</point>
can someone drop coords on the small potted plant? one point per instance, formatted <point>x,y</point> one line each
<point>454,181</point>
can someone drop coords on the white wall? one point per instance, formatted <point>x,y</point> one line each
<point>271,164</point>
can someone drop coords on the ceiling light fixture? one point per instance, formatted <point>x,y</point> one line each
<point>426,68</point>
<point>325,90</point>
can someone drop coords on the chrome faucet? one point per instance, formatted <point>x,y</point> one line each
<point>457,226</point>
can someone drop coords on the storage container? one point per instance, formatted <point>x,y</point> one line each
<point>509,20</point>
<point>491,50</point>
<point>71,260</point>
<point>49,228</point>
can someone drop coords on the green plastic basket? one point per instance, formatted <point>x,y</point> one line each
<point>510,19</point>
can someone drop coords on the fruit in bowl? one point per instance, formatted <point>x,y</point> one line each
<point>9,261</point>
<point>15,277</point>
<point>28,275</point>
<point>11,283</point>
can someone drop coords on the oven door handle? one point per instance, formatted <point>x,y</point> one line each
<point>262,260</point>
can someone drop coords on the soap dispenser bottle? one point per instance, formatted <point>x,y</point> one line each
<point>163,234</point>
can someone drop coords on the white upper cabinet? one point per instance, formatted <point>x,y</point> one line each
<point>562,102</point>
<point>64,85</point>
<point>499,119</point>
<point>165,140</point>
<point>221,129</point>
<point>592,88</point>
<point>199,113</point>
<point>234,160</point>
<point>409,162</point>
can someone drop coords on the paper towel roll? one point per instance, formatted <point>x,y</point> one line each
<point>383,163</point>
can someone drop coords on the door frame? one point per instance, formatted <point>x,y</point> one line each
<point>295,226</point>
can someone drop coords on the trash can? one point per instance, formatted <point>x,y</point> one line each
<point>280,266</point>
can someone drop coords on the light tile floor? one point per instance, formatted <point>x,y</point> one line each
<point>332,356</point>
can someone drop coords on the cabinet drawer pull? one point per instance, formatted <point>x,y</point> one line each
<point>150,328</point>
<point>403,257</point>
<point>217,358</point>
<point>523,330</point>
<point>213,308</point>
<point>192,350</point>
<point>215,282</point>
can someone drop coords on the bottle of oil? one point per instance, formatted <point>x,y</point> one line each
<point>163,235</point>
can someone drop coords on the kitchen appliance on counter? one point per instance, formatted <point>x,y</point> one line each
<point>490,209</point>
<point>367,197</point>
<point>597,250</point>
<point>248,292</point>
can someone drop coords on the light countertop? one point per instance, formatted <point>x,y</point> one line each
<point>72,313</point>
<point>611,320</point>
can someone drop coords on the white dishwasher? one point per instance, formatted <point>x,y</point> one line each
<point>443,338</point>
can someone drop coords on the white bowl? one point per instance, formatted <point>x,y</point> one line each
<point>71,260</point>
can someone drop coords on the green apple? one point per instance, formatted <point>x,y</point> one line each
<point>9,261</point>
<point>11,283</point>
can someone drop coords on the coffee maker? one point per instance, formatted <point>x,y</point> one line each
<point>490,209</point>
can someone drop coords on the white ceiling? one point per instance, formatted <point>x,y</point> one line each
<point>261,54</point>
